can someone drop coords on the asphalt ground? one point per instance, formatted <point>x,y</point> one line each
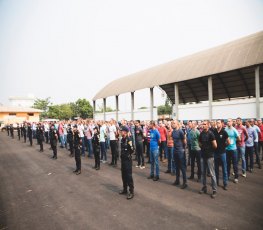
<point>37,192</point>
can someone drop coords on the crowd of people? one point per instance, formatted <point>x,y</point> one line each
<point>202,145</point>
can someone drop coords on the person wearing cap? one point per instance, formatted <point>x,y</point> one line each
<point>126,163</point>
<point>70,140</point>
<point>77,143</point>
<point>96,147</point>
<point>54,140</point>
<point>40,136</point>
<point>30,134</point>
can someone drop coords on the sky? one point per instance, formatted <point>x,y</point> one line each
<point>70,49</point>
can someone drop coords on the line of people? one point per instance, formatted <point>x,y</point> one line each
<point>209,145</point>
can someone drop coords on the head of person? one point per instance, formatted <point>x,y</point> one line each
<point>124,131</point>
<point>219,124</point>
<point>169,124</point>
<point>248,123</point>
<point>239,121</point>
<point>75,128</point>
<point>152,125</point>
<point>259,122</point>
<point>252,122</point>
<point>137,123</point>
<point>205,125</point>
<point>194,124</point>
<point>160,123</point>
<point>95,130</point>
<point>176,124</point>
<point>190,124</point>
<point>229,122</point>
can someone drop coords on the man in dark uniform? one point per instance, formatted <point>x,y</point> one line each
<point>96,148</point>
<point>12,131</point>
<point>40,136</point>
<point>77,142</point>
<point>126,163</point>
<point>70,140</point>
<point>30,134</point>
<point>54,141</point>
<point>23,129</point>
<point>37,135</point>
<point>18,131</point>
<point>8,129</point>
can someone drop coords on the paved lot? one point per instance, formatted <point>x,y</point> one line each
<point>39,193</point>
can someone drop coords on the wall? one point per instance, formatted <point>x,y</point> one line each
<point>19,118</point>
<point>244,108</point>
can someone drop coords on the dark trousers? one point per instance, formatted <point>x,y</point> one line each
<point>231,156</point>
<point>113,146</point>
<point>30,140</point>
<point>41,144</point>
<point>195,155</point>
<point>24,136</point>
<point>96,152</point>
<point>54,148</point>
<point>163,150</point>
<point>260,148</point>
<point>179,158</point>
<point>71,148</point>
<point>77,159</point>
<point>46,136</point>
<point>250,154</point>
<point>126,173</point>
<point>139,152</point>
<point>257,154</point>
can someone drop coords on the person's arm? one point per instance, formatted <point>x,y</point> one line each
<point>214,144</point>
<point>199,141</point>
<point>246,134</point>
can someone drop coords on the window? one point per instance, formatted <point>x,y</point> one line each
<point>30,114</point>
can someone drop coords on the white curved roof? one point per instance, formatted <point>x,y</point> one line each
<point>241,53</point>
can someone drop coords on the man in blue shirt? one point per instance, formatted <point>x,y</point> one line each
<point>155,139</point>
<point>179,156</point>
<point>231,149</point>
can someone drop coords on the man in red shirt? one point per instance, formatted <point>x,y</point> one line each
<point>163,146</point>
<point>241,144</point>
<point>260,139</point>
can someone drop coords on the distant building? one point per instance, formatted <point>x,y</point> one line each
<point>11,114</point>
<point>22,101</point>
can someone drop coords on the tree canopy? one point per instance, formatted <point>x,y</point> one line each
<point>80,108</point>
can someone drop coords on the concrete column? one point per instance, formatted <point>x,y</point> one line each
<point>151,103</point>
<point>94,109</point>
<point>210,97</point>
<point>132,105</point>
<point>176,100</point>
<point>104,109</point>
<point>257,93</point>
<point>117,107</point>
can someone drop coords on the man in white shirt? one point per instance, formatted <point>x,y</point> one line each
<point>103,134</point>
<point>81,134</point>
<point>113,143</point>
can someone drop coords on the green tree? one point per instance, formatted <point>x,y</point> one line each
<point>42,104</point>
<point>165,109</point>
<point>82,108</point>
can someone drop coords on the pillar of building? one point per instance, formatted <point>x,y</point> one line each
<point>132,105</point>
<point>94,109</point>
<point>210,97</point>
<point>176,100</point>
<point>117,107</point>
<point>257,92</point>
<point>151,103</point>
<point>104,109</point>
